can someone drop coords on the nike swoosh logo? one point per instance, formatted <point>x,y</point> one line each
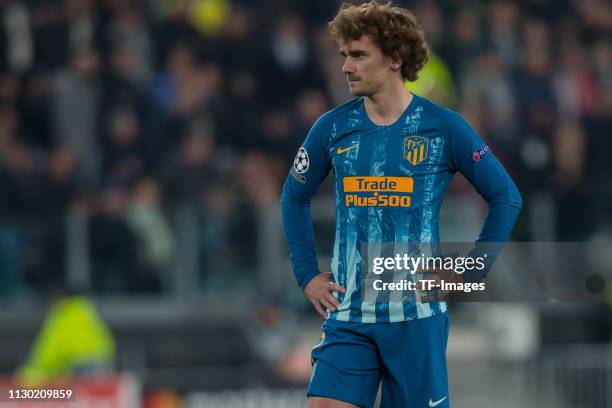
<point>438,402</point>
<point>346,149</point>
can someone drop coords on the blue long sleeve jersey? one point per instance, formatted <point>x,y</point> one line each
<point>390,182</point>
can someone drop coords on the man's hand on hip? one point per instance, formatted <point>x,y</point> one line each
<point>319,292</point>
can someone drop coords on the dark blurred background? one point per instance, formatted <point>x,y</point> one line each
<point>143,147</point>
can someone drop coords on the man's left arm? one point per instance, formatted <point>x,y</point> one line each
<point>475,160</point>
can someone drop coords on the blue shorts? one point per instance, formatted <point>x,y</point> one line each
<point>408,357</point>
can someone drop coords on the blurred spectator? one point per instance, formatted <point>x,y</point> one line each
<point>179,66</point>
<point>16,42</point>
<point>184,91</point>
<point>309,105</point>
<point>125,79</point>
<point>58,195</point>
<point>217,214</point>
<point>62,27</point>
<point>35,108</point>
<point>275,128</point>
<point>190,169</point>
<point>430,17</point>
<point>20,171</point>
<point>10,88</point>
<point>51,48</point>
<point>75,107</point>
<point>73,340</point>
<point>486,87</point>
<point>533,82</point>
<point>467,41</point>
<point>574,82</point>
<point>597,127</point>
<point>236,41</point>
<point>602,61</point>
<point>61,181</point>
<point>503,17</point>
<point>258,177</point>
<point>573,189</point>
<point>156,243</point>
<point>288,63</point>
<point>113,246</point>
<point>596,14</point>
<point>123,159</point>
<point>129,35</point>
<point>239,121</point>
<point>435,82</point>
<point>178,29</point>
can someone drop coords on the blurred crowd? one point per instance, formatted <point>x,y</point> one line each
<point>119,117</point>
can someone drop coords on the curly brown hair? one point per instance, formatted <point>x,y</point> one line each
<point>393,29</point>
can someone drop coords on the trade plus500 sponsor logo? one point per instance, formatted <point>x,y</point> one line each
<point>373,191</point>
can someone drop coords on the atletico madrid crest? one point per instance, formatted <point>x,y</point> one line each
<point>415,149</point>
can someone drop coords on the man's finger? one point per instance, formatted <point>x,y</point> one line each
<point>327,304</point>
<point>335,287</point>
<point>320,310</point>
<point>331,299</point>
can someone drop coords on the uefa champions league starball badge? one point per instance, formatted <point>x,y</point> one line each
<point>300,165</point>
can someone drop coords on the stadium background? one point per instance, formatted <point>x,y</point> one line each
<point>143,145</point>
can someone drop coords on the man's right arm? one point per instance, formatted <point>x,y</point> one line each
<point>309,169</point>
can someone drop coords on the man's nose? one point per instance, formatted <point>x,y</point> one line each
<point>348,67</point>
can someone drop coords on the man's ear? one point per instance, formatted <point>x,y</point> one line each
<point>396,65</point>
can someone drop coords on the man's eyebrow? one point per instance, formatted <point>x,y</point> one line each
<point>353,53</point>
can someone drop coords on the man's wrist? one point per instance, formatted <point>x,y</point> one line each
<point>305,280</point>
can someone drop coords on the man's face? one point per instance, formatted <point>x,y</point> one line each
<point>367,69</point>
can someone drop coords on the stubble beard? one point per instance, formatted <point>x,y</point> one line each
<point>358,92</point>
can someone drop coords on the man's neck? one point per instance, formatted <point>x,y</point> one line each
<point>386,107</point>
